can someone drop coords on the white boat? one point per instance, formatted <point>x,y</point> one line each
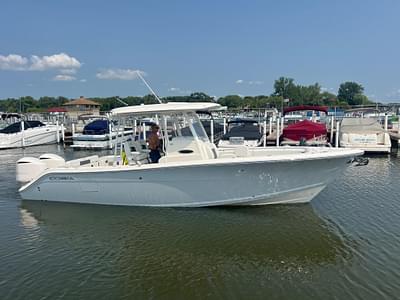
<point>364,133</point>
<point>28,133</point>
<point>99,135</point>
<point>242,132</point>
<point>191,173</point>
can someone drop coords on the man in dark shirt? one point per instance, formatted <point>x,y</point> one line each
<point>154,144</point>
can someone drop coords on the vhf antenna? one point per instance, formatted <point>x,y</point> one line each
<point>151,90</point>
<point>121,101</point>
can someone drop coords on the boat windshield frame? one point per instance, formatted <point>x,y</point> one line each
<point>186,124</point>
<point>171,124</point>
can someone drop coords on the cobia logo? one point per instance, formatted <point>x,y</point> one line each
<point>61,178</point>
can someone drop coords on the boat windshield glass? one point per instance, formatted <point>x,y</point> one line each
<point>185,124</point>
<point>198,127</point>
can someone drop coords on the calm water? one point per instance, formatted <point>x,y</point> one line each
<point>344,245</point>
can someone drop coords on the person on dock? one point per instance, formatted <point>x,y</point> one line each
<point>154,144</point>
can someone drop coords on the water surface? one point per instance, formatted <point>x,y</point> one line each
<point>344,245</point>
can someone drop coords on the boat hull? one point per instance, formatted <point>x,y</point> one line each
<point>242,183</point>
<point>32,137</point>
<point>368,148</point>
<point>99,142</point>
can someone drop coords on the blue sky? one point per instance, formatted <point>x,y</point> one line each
<point>92,48</point>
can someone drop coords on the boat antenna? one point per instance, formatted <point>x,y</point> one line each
<point>121,101</point>
<point>148,86</point>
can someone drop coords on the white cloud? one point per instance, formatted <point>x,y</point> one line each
<point>180,91</point>
<point>63,78</point>
<point>59,61</point>
<point>13,62</point>
<point>252,82</point>
<point>68,71</point>
<point>121,74</point>
<point>257,82</point>
<point>56,61</point>
<point>83,80</point>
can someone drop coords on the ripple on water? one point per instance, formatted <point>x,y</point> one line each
<point>343,246</point>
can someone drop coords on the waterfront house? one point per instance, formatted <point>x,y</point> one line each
<point>81,106</point>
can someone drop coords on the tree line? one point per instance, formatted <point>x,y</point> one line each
<point>286,92</point>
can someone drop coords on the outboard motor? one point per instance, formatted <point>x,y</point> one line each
<point>29,168</point>
<point>52,160</point>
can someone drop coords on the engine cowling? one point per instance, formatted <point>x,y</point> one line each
<point>52,160</point>
<point>29,168</point>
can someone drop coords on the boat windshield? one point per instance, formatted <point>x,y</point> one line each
<point>187,125</point>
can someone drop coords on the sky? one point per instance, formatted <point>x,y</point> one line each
<point>95,48</point>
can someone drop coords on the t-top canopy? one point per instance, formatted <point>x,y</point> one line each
<point>165,108</point>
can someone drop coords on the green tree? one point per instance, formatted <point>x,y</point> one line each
<point>284,87</point>
<point>231,101</point>
<point>348,91</point>
<point>200,97</point>
<point>360,99</point>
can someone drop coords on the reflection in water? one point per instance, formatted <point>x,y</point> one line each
<point>147,252</point>
<point>347,250</point>
<point>27,220</point>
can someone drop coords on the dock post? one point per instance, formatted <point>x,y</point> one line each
<point>332,126</point>
<point>23,134</point>
<point>73,129</point>
<point>110,135</point>
<point>144,131</point>
<point>277,131</point>
<point>62,133</point>
<point>386,121</point>
<point>212,130</point>
<point>224,125</point>
<point>58,132</point>
<point>282,122</point>
<point>265,133</point>
<point>270,126</point>
<point>337,135</point>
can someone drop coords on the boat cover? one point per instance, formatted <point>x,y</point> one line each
<point>359,125</point>
<point>304,130</point>
<point>247,131</point>
<point>16,127</point>
<point>97,127</point>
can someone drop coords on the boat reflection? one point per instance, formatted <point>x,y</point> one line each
<point>183,253</point>
<point>260,234</point>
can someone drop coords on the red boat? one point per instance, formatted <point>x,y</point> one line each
<point>305,132</point>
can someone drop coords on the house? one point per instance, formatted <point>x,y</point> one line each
<point>81,106</point>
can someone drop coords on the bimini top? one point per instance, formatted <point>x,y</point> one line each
<point>164,108</point>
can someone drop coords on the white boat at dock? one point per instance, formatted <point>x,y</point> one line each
<point>242,132</point>
<point>28,133</point>
<point>364,133</point>
<point>100,134</point>
<point>192,171</point>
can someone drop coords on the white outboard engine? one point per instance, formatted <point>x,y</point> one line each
<point>52,160</point>
<point>29,168</point>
